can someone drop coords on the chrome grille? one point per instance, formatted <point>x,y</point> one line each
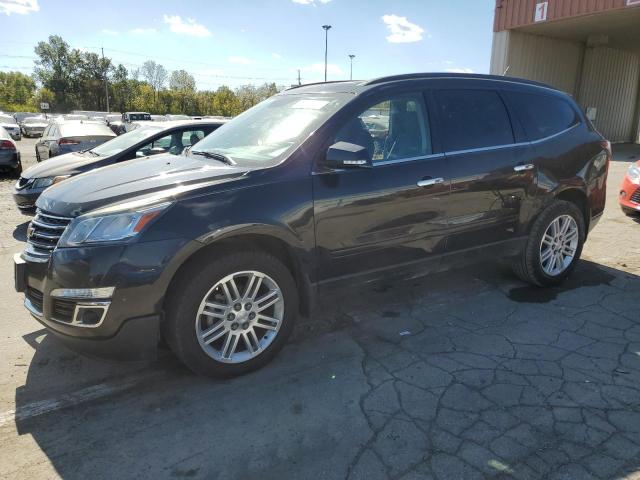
<point>636,196</point>
<point>43,234</point>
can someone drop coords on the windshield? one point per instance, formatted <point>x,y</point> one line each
<point>125,141</point>
<point>271,130</point>
<point>34,120</point>
<point>7,119</point>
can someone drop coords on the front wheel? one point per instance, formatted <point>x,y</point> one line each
<point>554,245</point>
<point>232,315</point>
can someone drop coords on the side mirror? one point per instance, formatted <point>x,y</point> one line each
<point>348,155</point>
<point>156,151</point>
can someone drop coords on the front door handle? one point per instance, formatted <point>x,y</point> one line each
<point>429,182</point>
<point>524,168</point>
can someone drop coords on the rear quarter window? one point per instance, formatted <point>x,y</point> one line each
<point>473,119</point>
<point>542,115</point>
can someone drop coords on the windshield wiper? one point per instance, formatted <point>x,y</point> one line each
<point>88,150</point>
<point>214,156</point>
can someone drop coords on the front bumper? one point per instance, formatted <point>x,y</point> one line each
<point>25,198</point>
<point>130,329</point>
<point>629,197</point>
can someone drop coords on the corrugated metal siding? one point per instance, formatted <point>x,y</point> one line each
<point>517,13</point>
<point>548,60</point>
<point>499,52</point>
<point>609,83</point>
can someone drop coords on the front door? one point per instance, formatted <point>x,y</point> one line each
<point>492,174</point>
<point>393,213</point>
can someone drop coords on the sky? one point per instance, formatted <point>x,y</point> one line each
<point>237,42</point>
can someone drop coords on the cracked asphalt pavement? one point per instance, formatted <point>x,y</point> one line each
<point>464,375</point>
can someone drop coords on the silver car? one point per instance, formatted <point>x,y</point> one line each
<point>11,126</point>
<point>34,126</point>
<point>71,136</point>
<point>9,154</point>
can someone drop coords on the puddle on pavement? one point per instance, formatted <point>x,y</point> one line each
<point>583,276</point>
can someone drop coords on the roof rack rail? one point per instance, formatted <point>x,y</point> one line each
<point>293,87</point>
<point>427,75</point>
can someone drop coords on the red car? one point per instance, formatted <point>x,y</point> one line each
<point>630,190</point>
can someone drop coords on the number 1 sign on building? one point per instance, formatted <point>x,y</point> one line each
<point>541,11</point>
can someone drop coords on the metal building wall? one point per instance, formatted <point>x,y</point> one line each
<point>549,60</point>
<point>517,13</point>
<point>610,82</point>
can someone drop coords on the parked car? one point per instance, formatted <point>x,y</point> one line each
<point>219,249</point>
<point>168,137</point>
<point>629,197</point>
<point>133,120</point>
<point>178,117</point>
<point>20,116</point>
<point>9,154</point>
<point>11,126</point>
<point>33,126</point>
<point>114,122</point>
<point>159,118</point>
<point>62,137</point>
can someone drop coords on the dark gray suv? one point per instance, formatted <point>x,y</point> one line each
<point>219,249</point>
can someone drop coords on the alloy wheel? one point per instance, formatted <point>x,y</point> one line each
<point>559,245</point>
<point>239,317</point>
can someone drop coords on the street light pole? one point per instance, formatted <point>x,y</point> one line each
<point>351,57</point>
<point>326,45</point>
<point>106,82</point>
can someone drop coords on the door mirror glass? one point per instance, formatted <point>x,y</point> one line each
<point>348,155</point>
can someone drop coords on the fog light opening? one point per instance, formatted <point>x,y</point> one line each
<point>90,315</point>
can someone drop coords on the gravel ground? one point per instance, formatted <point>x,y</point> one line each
<point>469,374</point>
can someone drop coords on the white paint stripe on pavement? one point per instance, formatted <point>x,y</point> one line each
<point>78,397</point>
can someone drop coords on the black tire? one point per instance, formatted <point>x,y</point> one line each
<point>529,266</point>
<point>190,288</point>
<point>16,172</point>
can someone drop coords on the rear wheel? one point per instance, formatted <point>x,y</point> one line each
<point>232,315</point>
<point>554,245</point>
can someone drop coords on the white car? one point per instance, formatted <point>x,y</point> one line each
<point>11,126</point>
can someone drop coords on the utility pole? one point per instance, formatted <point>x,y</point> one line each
<point>106,84</point>
<point>351,57</point>
<point>326,45</point>
<point>299,79</point>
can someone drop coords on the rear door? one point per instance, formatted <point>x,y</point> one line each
<point>392,214</point>
<point>491,165</point>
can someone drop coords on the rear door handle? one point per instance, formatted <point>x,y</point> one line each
<point>429,182</point>
<point>524,168</point>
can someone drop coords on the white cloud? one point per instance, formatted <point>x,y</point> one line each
<point>21,7</point>
<point>240,60</point>
<point>402,30</point>
<point>143,31</point>
<point>277,56</point>
<point>459,70</point>
<point>310,2</point>
<point>107,31</point>
<point>332,69</point>
<point>186,27</point>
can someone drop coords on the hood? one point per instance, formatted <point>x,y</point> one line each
<point>67,164</point>
<point>160,177</point>
<point>35,125</point>
<point>9,125</point>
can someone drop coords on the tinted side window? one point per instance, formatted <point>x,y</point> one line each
<point>473,119</point>
<point>542,115</point>
<point>396,128</point>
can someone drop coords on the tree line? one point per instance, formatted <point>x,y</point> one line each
<point>70,79</point>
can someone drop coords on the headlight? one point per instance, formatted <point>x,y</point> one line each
<point>634,173</point>
<point>45,182</point>
<point>91,229</point>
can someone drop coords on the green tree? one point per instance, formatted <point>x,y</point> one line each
<point>57,68</point>
<point>16,91</point>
